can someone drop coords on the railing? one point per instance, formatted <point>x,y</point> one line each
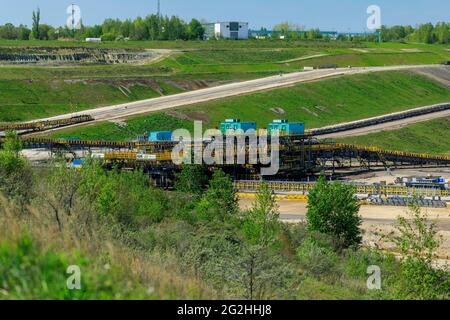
<point>136,156</point>
<point>304,188</point>
<point>340,146</point>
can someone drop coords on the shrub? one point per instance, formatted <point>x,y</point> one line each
<point>318,260</point>
<point>418,241</point>
<point>108,37</point>
<point>260,224</point>
<point>333,209</point>
<point>219,202</point>
<point>15,173</point>
<point>192,179</point>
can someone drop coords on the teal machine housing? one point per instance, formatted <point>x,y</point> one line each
<point>231,125</point>
<point>285,128</point>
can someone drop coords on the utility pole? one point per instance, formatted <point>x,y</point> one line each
<point>73,20</point>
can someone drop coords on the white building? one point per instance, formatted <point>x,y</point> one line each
<point>227,30</point>
<point>93,40</point>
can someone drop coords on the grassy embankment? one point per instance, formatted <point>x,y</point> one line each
<point>426,137</point>
<point>26,100</point>
<point>317,104</point>
<point>227,60</point>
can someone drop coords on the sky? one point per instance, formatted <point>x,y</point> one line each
<point>329,15</point>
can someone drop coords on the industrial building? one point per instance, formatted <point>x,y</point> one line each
<point>283,127</point>
<point>232,125</point>
<point>227,30</point>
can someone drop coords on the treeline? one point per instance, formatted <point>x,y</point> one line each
<point>424,33</point>
<point>152,27</point>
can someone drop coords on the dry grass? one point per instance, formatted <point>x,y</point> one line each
<point>159,273</point>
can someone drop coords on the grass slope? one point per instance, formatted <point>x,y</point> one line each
<point>25,100</point>
<point>136,126</point>
<point>426,137</point>
<point>317,104</point>
<point>232,59</point>
<point>330,101</point>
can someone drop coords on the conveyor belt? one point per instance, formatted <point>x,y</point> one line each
<point>322,151</point>
<point>304,188</point>
<point>45,125</point>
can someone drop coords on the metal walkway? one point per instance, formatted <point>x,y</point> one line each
<point>303,188</point>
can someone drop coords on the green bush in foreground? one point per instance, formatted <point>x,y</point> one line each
<point>29,272</point>
<point>418,241</point>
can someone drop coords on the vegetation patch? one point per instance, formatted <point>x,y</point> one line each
<point>317,104</point>
<point>23,100</point>
<point>426,137</point>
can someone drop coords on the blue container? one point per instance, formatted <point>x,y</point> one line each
<point>158,136</point>
<point>77,163</point>
<point>231,125</point>
<point>286,128</point>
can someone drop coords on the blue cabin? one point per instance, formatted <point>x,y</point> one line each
<point>158,136</point>
<point>285,128</point>
<point>231,125</point>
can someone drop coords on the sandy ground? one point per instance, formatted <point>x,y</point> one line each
<point>441,75</point>
<point>376,219</point>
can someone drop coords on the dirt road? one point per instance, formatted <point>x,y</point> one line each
<point>376,219</point>
<point>223,91</point>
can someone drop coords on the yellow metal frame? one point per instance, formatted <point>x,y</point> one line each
<point>304,188</point>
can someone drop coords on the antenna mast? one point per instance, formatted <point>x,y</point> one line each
<point>159,8</point>
<point>73,18</point>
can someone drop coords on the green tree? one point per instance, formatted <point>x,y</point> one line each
<point>93,32</point>
<point>59,191</point>
<point>314,34</point>
<point>46,32</point>
<point>424,33</point>
<point>111,26</point>
<point>23,33</point>
<point>263,273</point>
<point>126,28</point>
<point>108,37</point>
<point>333,209</point>
<point>153,25</point>
<point>8,31</point>
<point>261,222</point>
<point>140,29</point>
<point>35,31</point>
<point>15,174</point>
<point>442,33</point>
<point>192,179</point>
<point>219,201</point>
<point>195,30</point>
